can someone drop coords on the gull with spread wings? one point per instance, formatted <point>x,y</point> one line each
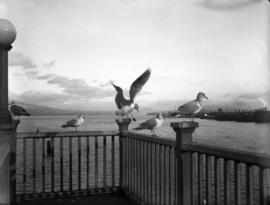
<point>126,106</point>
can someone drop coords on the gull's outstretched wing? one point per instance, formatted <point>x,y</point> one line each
<point>119,98</point>
<point>137,85</point>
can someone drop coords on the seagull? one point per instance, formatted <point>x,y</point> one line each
<point>125,107</point>
<point>193,106</point>
<point>17,110</point>
<point>151,124</point>
<point>74,122</point>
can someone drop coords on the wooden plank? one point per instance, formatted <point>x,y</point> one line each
<point>262,160</point>
<point>217,181</point>
<point>150,187</point>
<point>87,163</point>
<point>137,166</point>
<point>170,176</point>
<point>155,173</point>
<point>261,187</point>
<point>237,183</point>
<point>70,162</point>
<point>200,179</point>
<point>227,195</point>
<point>24,165</point>
<point>61,165</point>
<point>34,180</point>
<point>149,138</point>
<point>122,146</point>
<point>43,173</point>
<point>52,164</point>
<point>187,177</point>
<point>104,161</point>
<point>26,135</point>
<point>249,185</point>
<point>79,162</point>
<point>96,162</point>
<point>207,179</point>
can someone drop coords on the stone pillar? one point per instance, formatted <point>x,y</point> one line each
<point>183,132</point>
<point>7,126</point>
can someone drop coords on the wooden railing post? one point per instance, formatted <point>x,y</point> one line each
<point>123,128</point>
<point>183,132</point>
<point>7,126</point>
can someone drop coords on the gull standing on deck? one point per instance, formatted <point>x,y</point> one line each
<point>192,107</point>
<point>151,124</point>
<point>75,122</point>
<point>17,110</point>
<point>125,107</point>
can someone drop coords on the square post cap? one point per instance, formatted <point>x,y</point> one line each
<point>184,125</point>
<point>123,124</point>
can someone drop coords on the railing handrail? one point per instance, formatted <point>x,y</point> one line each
<point>22,135</point>
<point>149,138</point>
<point>237,155</point>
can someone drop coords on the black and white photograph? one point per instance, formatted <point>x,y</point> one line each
<point>135,102</point>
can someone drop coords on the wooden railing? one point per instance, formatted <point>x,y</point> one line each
<point>160,171</point>
<point>68,163</point>
<point>150,170</point>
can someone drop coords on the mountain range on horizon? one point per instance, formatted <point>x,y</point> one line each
<point>163,105</point>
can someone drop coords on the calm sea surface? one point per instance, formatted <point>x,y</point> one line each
<point>253,137</point>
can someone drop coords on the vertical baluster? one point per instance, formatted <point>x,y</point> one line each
<point>155,173</point>
<point>261,186</point>
<point>87,162</point>
<point>146,162</point>
<point>140,167</point>
<point>24,165</point>
<point>70,163</point>
<point>43,164</point>
<point>227,196</point>
<point>144,171</point>
<point>150,186</point>
<point>96,162</point>
<point>131,166</point>
<point>52,164</point>
<point>160,172</point>
<point>34,182</point>
<point>113,160</point>
<point>79,163</point>
<point>200,179</point>
<point>169,176</point>
<point>217,180</point>
<point>61,164</point>
<point>194,173</point>
<point>237,183</point>
<point>137,166</point>
<point>208,180</point>
<point>249,184</point>
<point>104,161</point>
<point>165,162</point>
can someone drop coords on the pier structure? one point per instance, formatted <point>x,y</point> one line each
<point>122,166</point>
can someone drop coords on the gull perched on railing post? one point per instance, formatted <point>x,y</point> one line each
<point>17,110</point>
<point>125,107</point>
<point>193,107</point>
<point>75,122</point>
<point>151,124</point>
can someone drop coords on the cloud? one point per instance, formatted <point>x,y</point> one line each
<point>49,64</point>
<point>226,4</point>
<point>79,87</point>
<point>45,77</point>
<point>19,59</point>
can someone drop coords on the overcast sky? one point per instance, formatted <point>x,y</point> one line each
<point>67,51</point>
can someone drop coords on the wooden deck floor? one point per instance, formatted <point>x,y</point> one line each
<point>107,199</point>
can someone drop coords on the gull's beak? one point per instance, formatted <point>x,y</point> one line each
<point>205,97</point>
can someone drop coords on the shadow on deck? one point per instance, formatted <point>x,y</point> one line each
<point>104,199</point>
